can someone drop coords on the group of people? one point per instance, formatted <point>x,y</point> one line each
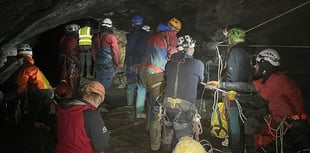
<point>162,71</point>
<point>269,98</point>
<point>83,48</point>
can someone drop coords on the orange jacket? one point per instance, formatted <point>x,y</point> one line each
<point>29,76</point>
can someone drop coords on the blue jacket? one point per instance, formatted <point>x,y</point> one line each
<point>238,68</point>
<point>182,78</point>
<point>136,46</point>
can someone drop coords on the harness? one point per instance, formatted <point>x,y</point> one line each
<point>181,104</point>
<point>283,127</point>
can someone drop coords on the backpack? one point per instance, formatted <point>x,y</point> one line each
<point>219,125</point>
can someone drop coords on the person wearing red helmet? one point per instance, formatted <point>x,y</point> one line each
<point>80,127</point>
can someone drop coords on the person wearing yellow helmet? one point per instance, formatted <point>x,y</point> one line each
<point>188,145</point>
<point>175,24</point>
<point>160,47</point>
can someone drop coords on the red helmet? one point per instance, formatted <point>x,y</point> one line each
<point>63,90</point>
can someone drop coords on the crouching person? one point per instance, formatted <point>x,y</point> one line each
<point>80,127</point>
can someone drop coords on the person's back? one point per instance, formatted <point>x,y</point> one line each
<point>85,42</point>
<point>182,76</point>
<point>106,53</point>
<point>161,45</point>
<point>33,89</point>
<point>135,50</point>
<point>71,64</point>
<point>186,72</point>
<point>136,46</point>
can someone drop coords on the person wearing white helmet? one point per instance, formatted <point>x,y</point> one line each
<point>105,50</point>
<point>71,56</point>
<point>182,76</point>
<point>274,87</point>
<point>33,89</point>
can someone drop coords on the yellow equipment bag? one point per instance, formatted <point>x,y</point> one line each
<point>219,125</point>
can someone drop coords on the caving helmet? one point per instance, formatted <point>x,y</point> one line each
<point>24,49</point>
<point>185,42</point>
<point>163,27</point>
<point>268,61</point>
<point>107,22</point>
<point>63,90</point>
<point>95,87</point>
<point>270,55</point>
<point>147,28</point>
<point>188,145</point>
<point>137,20</point>
<point>236,34</point>
<point>175,24</point>
<point>72,28</point>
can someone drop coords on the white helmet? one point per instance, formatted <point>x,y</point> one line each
<point>107,22</point>
<point>270,55</point>
<point>24,49</point>
<point>146,28</point>
<point>185,42</point>
<point>72,28</point>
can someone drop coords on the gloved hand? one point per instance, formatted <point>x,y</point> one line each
<point>231,95</point>
<point>214,83</point>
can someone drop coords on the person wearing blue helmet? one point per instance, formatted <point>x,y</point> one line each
<point>135,50</point>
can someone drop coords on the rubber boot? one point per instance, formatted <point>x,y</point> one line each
<point>155,135</point>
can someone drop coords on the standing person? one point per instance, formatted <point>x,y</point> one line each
<point>161,45</point>
<point>237,70</point>
<point>33,89</point>
<point>71,64</point>
<point>135,50</point>
<point>182,75</point>
<point>80,127</point>
<point>85,42</point>
<point>285,103</point>
<point>106,51</point>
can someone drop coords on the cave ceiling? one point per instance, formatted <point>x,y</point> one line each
<point>269,22</point>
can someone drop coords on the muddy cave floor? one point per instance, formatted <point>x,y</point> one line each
<point>127,135</point>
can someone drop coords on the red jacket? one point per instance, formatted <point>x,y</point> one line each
<point>78,132</point>
<point>103,41</point>
<point>284,100</point>
<point>70,45</point>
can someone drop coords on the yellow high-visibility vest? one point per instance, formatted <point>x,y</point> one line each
<point>85,36</point>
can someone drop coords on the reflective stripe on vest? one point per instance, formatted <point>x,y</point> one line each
<point>85,36</point>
